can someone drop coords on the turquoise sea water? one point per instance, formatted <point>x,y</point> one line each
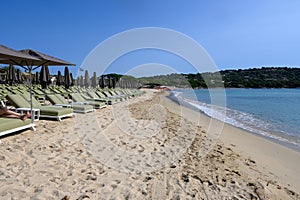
<point>274,113</point>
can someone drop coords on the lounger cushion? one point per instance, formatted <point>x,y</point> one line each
<point>55,111</point>
<point>9,123</point>
<point>78,98</point>
<point>19,101</point>
<point>54,99</point>
<point>57,99</point>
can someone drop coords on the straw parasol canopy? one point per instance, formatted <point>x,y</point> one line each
<point>109,81</point>
<point>59,78</point>
<point>94,80</point>
<point>67,77</point>
<point>45,77</point>
<point>46,59</point>
<point>101,82</point>
<point>81,82</point>
<point>10,56</point>
<point>19,76</point>
<point>114,81</point>
<point>37,78</point>
<point>11,75</point>
<point>72,80</point>
<point>86,79</point>
<point>1,79</point>
<point>77,81</point>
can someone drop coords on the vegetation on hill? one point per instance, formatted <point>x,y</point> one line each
<point>270,77</point>
<point>177,80</point>
<point>266,77</point>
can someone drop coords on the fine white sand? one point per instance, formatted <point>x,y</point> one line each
<point>145,148</point>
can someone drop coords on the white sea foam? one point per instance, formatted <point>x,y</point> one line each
<point>241,120</point>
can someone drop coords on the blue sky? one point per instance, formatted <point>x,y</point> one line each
<point>236,34</point>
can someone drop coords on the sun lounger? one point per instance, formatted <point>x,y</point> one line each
<point>22,101</point>
<point>120,94</point>
<point>93,96</point>
<point>103,96</point>
<point>133,93</point>
<point>109,95</point>
<point>76,97</point>
<point>59,100</point>
<point>10,125</point>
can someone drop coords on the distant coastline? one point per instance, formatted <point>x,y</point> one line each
<point>265,77</point>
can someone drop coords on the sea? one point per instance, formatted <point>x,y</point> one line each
<point>271,113</point>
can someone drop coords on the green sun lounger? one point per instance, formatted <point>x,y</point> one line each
<point>119,94</point>
<point>76,97</point>
<point>22,101</point>
<point>59,100</point>
<point>93,96</point>
<point>111,96</point>
<point>103,96</point>
<point>10,125</point>
<point>132,93</point>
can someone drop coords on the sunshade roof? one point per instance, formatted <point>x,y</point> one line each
<point>10,56</point>
<point>48,60</point>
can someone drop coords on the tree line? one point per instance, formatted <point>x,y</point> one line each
<point>265,77</point>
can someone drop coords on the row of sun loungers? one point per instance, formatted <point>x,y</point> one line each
<point>22,101</point>
<point>63,103</point>
<point>58,100</point>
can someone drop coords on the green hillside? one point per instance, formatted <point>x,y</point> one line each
<point>266,77</point>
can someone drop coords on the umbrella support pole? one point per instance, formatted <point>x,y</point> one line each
<point>44,98</point>
<point>30,93</point>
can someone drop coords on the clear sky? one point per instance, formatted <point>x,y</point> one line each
<point>235,33</point>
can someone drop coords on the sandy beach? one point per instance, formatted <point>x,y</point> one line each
<point>148,147</point>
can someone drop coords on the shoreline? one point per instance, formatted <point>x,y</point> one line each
<point>284,160</point>
<point>275,139</point>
